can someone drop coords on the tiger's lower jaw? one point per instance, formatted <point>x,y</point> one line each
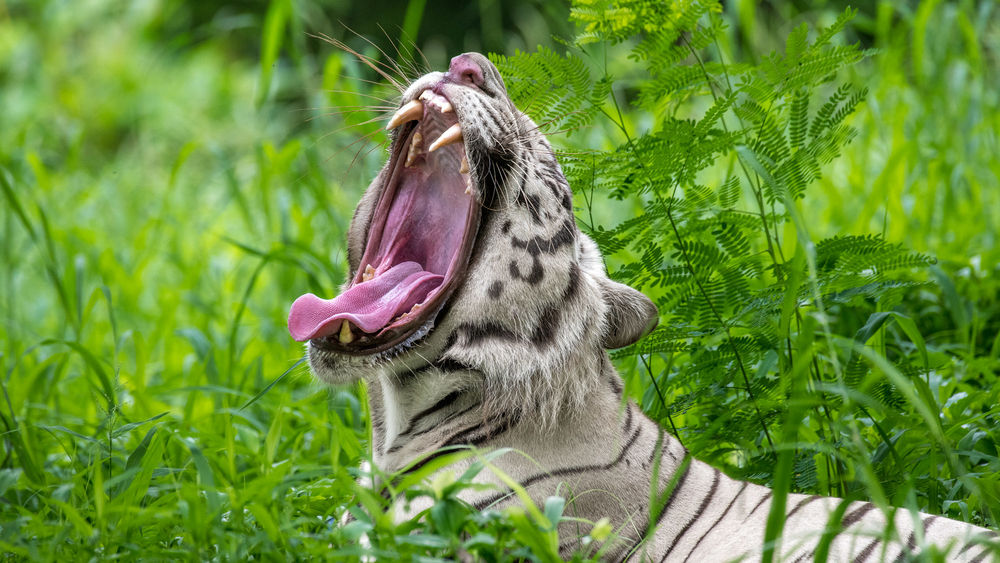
<point>327,347</point>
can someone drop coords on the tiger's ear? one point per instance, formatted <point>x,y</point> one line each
<point>631,315</point>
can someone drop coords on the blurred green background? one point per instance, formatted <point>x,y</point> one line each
<point>175,173</point>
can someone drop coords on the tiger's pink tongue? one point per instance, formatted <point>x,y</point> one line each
<point>369,305</point>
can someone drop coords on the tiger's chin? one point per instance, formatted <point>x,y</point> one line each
<point>417,248</point>
<point>335,367</point>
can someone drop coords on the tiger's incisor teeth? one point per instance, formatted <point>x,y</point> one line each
<point>346,336</point>
<point>413,109</point>
<point>426,95</point>
<point>468,184</point>
<point>464,167</point>
<point>369,273</point>
<point>415,145</point>
<point>452,135</point>
<point>445,106</point>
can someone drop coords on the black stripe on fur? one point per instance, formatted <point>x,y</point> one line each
<point>716,475</point>
<point>716,523</point>
<point>572,470</point>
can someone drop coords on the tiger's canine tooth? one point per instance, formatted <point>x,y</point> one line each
<point>468,184</point>
<point>369,273</point>
<point>346,336</point>
<point>452,135</point>
<point>413,109</point>
<point>464,167</point>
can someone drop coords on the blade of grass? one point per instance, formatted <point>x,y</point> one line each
<point>263,391</point>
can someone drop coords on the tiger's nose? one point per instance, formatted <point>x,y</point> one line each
<point>464,70</point>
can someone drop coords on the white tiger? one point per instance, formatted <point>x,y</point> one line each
<point>478,314</point>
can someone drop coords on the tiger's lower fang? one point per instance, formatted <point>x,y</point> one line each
<point>451,135</point>
<point>415,148</point>
<point>346,336</point>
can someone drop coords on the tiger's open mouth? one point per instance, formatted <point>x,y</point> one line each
<point>418,243</point>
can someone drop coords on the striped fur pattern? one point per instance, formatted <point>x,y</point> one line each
<point>517,359</point>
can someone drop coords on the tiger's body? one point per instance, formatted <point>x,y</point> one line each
<point>508,348</point>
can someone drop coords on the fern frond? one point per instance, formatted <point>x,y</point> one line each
<point>729,192</point>
<point>555,90</point>
<point>823,119</point>
<point>826,34</point>
<point>798,120</point>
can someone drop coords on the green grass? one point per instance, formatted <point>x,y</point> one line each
<point>155,224</point>
<point>163,202</point>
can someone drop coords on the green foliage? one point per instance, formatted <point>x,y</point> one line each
<point>163,200</point>
<point>558,89</point>
<point>446,528</point>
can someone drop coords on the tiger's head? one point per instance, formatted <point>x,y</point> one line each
<point>464,254</point>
